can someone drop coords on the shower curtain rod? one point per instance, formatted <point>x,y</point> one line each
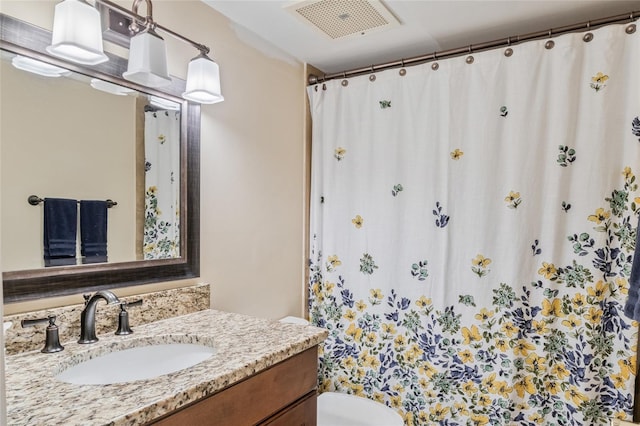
<point>508,41</point>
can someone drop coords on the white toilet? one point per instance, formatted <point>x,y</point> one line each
<point>341,409</point>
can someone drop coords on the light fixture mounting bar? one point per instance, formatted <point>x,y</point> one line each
<point>141,20</point>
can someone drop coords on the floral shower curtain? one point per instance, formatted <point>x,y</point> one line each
<point>472,233</point>
<point>162,185</point>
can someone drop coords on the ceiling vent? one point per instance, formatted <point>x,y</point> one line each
<point>344,18</point>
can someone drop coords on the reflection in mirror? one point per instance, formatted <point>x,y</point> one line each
<point>79,133</point>
<point>74,137</point>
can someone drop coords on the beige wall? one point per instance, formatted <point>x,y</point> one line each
<point>252,185</point>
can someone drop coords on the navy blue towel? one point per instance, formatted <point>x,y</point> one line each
<point>93,231</point>
<point>60,231</point>
<point>632,307</point>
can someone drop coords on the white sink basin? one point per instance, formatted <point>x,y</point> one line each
<point>140,363</point>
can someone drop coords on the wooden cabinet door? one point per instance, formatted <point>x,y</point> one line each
<point>255,399</point>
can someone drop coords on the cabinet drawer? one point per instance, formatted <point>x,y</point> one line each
<point>303,413</point>
<point>254,399</point>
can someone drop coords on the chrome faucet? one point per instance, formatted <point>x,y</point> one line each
<point>88,316</point>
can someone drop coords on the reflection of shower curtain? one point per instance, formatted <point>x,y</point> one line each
<point>162,185</point>
<point>472,234</point>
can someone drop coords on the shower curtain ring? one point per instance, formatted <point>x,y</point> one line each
<point>469,59</point>
<point>589,35</point>
<point>345,82</point>
<point>402,71</point>
<point>508,51</point>
<point>550,43</point>
<point>372,77</point>
<point>435,65</point>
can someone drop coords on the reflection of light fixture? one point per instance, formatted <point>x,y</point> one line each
<point>108,87</point>
<point>203,81</point>
<point>164,103</point>
<point>77,35</point>
<point>38,67</point>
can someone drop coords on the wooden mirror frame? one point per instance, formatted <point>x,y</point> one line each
<point>22,38</point>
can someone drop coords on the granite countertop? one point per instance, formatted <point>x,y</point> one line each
<point>244,346</point>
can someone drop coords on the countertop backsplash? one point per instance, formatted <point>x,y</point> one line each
<point>155,306</point>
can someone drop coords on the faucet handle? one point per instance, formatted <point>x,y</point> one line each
<point>134,303</point>
<point>123,318</point>
<point>31,322</point>
<point>52,340</point>
<point>86,298</point>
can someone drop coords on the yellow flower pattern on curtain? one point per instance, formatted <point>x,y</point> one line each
<point>470,255</point>
<point>162,185</point>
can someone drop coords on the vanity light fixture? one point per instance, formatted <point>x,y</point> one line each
<point>203,81</point>
<point>147,53</point>
<point>37,67</point>
<point>77,35</point>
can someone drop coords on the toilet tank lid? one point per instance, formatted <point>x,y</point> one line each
<point>294,320</point>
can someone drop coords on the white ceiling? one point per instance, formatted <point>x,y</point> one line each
<point>426,26</point>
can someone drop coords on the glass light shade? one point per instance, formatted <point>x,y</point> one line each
<point>38,67</point>
<point>203,81</point>
<point>77,33</point>
<point>147,60</point>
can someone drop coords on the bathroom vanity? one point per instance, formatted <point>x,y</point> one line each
<point>262,372</point>
<point>283,395</point>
